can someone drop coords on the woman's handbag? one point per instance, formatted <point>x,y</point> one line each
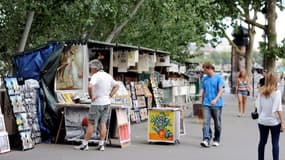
<point>248,93</point>
<point>254,114</point>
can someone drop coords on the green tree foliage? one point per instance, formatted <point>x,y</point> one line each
<point>54,20</point>
<point>160,24</point>
<point>167,25</point>
<point>246,10</point>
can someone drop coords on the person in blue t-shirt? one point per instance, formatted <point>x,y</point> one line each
<point>212,87</point>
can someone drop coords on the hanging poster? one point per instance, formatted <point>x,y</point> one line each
<point>162,60</point>
<point>136,52</point>
<point>173,68</point>
<point>152,60</point>
<point>116,58</point>
<point>131,58</point>
<point>143,65</point>
<point>123,62</point>
<point>182,69</point>
<point>69,75</point>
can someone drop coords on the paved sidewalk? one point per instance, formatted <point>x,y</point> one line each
<point>239,142</point>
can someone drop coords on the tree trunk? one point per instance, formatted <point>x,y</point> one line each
<point>248,55</point>
<point>117,29</point>
<point>26,31</point>
<point>269,60</point>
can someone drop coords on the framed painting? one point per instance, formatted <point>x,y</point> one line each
<point>161,125</point>
<point>71,72</point>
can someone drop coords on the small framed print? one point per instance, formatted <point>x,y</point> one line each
<point>2,124</point>
<point>27,142</point>
<point>4,142</point>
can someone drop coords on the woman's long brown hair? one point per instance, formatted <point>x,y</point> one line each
<point>270,85</point>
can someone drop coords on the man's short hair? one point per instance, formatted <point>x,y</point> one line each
<point>208,65</point>
<point>96,64</point>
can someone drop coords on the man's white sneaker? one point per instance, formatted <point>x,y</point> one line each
<point>101,148</point>
<point>216,144</point>
<point>204,143</point>
<point>82,147</point>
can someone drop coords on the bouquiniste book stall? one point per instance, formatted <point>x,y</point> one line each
<point>68,62</point>
<point>71,89</point>
<point>129,62</point>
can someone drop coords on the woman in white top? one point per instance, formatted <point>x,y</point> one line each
<point>269,107</point>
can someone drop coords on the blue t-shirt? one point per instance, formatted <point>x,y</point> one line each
<point>211,86</point>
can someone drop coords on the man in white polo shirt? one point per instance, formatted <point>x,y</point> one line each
<point>101,88</point>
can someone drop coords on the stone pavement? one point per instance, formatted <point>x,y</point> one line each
<point>239,142</point>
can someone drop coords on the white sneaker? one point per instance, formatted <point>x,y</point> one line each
<point>216,144</point>
<point>82,147</point>
<point>101,148</point>
<point>205,144</point>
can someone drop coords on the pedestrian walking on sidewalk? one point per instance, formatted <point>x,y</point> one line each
<point>262,80</point>
<point>101,88</point>
<point>242,91</point>
<point>212,89</point>
<point>269,107</point>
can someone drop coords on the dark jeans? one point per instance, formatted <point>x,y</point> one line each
<point>275,133</point>
<point>215,113</point>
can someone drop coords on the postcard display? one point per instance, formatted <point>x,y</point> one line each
<point>141,100</point>
<point>157,93</point>
<point>23,101</point>
<point>164,125</point>
<point>4,139</point>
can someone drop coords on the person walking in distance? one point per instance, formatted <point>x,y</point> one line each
<point>101,88</point>
<point>212,89</point>
<point>262,80</point>
<point>242,91</point>
<point>269,108</point>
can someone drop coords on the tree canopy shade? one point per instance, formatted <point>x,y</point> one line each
<point>159,24</point>
<point>167,25</point>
